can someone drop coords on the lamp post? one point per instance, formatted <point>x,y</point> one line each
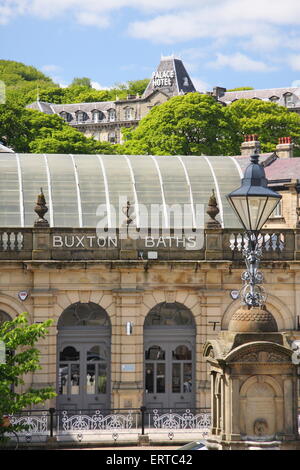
<point>253,202</point>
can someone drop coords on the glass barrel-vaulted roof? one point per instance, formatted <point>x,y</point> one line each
<point>76,185</point>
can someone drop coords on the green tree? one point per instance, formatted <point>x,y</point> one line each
<point>83,81</point>
<point>27,130</point>
<point>192,124</point>
<point>23,356</point>
<point>266,119</point>
<point>241,88</point>
<point>68,140</point>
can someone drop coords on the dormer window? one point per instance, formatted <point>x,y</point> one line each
<point>80,116</point>
<point>129,114</point>
<point>111,114</point>
<point>98,116</point>
<point>274,99</point>
<point>289,100</point>
<point>66,116</point>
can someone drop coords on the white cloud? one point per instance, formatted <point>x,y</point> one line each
<point>98,86</point>
<point>200,84</point>
<point>88,18</point>
<point>294,61</point>
<point>239,62</point>
<point>51,68</point>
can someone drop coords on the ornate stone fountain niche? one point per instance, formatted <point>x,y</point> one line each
<point>253,385</point>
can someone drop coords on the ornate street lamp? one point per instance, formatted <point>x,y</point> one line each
<point>253,202</point>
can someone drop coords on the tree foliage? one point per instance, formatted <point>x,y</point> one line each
<point>27,130</point>
<point>22,357</point>
<point>241,88</point>
<point>266,119</point>
<point>191,124</point>
<point>83,81</point>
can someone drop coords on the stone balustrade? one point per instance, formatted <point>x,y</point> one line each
<point>84,244</point>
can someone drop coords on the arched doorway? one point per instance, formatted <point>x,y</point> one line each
<point>83,349</point>
<point>169,361</point>
<point>4,316</point>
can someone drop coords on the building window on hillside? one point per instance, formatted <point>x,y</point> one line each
<point>98,116</point>
<point>289,100</point>
<point>277,212</point>
<point>112,137</point>
<point>80,116</point>
<point>274,99</point>
<point>129,114</point>
<point>66,116</point>
<point>111,115</point>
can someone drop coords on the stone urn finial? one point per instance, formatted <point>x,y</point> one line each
<point>213,211</point>
<point>41,209</point>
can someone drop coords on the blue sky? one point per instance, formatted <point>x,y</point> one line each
<point>222,42</point>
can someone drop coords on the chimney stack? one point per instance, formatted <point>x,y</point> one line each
<point>250,145</point>
<point>285,147</point>
<point>218,92</point>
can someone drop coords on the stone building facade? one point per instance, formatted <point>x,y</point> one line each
<point>131,314</point>
<point>104,120</point>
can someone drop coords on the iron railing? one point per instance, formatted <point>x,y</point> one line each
<point>111,425</point>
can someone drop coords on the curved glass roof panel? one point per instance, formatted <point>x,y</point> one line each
<point>175,189</point>
<point>232,180</point>
<point>148,189</point>
<point>119,184</point>
<point>202,183</point>
<point>10,196</point>
<point>34,177</point>
<point>75,186</point>
<point>91,188</point>
<point>63,190</point>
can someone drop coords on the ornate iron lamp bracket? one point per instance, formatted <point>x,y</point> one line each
<point>252,293</point>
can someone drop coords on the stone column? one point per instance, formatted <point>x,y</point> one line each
<point>288,406</point>
<point>235,407</point>
<point>41,249</point>
<point>44,300</point>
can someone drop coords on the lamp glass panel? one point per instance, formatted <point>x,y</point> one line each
<point>257,206</point>
<point>240,206</point>
<point>269,208</point>
<point>253,211</point>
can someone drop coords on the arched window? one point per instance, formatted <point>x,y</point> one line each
<point>289,100</point>
<point>274,99</point>
<point>128,114</point>
<point>169,364</point>
<point>83,314</point>
<point>111,114</point>
<point>66,116</point>
<point>83,349</point>
<point>169,314</point>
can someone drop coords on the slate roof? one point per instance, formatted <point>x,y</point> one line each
<point>276,169</point>
<point>50,108</point>
<point>264,95</point>
<point>181,83</point>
